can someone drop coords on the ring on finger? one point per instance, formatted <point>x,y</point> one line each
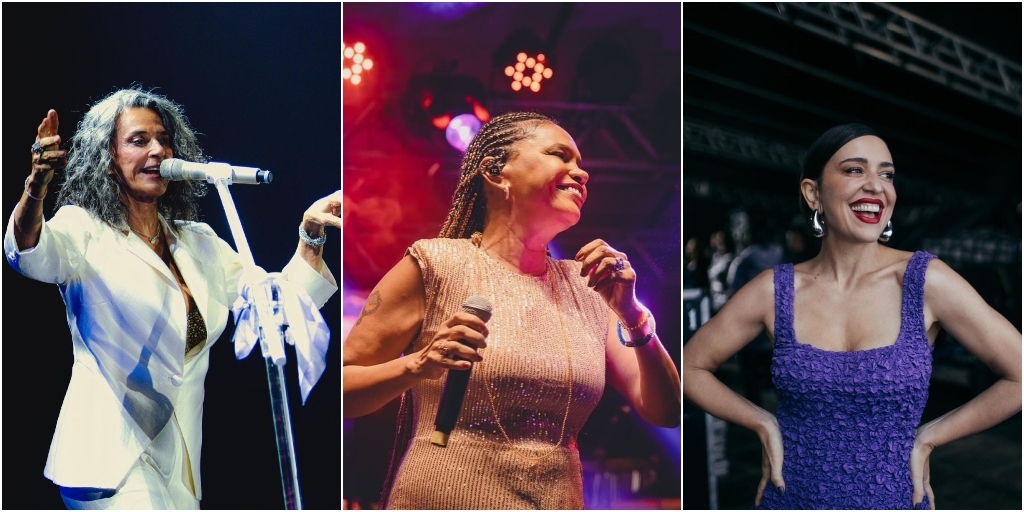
<point>620,264</point>
<point>443,349</point>
<point>36,148</point>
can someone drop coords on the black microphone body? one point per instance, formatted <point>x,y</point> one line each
<point>457,381</point>
<point>175,169</point>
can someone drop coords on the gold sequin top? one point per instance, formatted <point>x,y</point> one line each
<point>195,333</point>
<point>504,452</point>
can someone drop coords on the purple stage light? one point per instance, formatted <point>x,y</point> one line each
<point>461,130</point>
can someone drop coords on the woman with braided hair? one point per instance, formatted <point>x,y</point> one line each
<point>559,330</point>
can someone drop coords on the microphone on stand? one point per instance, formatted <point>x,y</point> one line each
<point>175,169</point>
<point>457,381</point>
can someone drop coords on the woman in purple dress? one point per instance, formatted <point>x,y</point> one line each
<point>847,430</point>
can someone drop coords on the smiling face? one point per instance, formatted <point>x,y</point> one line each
<point>545,179</point>
<point>140,145</point>
<point>855,191</point>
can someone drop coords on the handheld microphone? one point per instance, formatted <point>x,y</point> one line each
<point>457,381</point>
<point>174,169</point>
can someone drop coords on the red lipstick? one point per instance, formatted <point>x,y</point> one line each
<point>868,217</point>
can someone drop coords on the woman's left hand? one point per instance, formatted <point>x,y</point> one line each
<point>609,273</point>
<point>919,472</point>
<point>325,211</point>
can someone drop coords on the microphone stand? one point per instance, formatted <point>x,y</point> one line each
<point>268,313</point>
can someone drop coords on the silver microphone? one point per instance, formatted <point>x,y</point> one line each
<point>174,169</point>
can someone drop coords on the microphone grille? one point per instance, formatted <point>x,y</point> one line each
<point>479,306</point>
<point>170,166</point>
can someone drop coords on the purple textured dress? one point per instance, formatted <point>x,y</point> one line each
<point>848,419</point>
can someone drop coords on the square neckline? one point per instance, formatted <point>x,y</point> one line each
<point>903,315</point>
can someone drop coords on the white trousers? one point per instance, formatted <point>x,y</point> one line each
<point>159,480</point>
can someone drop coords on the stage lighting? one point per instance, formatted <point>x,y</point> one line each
<point>525,60</point>
<point>528,71</point>
<point>461,130</point>
<point>451,104</point>
<point>355,63</point>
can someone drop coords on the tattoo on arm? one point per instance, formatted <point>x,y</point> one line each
<point>371,307</point>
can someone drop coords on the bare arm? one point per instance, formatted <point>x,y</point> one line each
<point>375,371</point>
<point>956,306</point>
<point>28,214</point>
<point>744,316</point>
<point>646,376</point>
<point>741,319</point>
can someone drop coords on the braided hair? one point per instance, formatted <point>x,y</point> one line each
<point>496,139</point>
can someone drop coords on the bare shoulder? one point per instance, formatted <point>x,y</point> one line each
<point>942,283</point>
<point>758,295</point>
<point>940,273</point>
<point>763,283</point>
<point>951,301</point>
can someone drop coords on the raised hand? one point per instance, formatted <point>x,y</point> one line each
<point>46,154</point>
<point>325,211</point>
<point>609,273</point>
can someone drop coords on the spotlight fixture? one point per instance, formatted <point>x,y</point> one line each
<point>528,72</point>
<point>355,63</point>
<point>525,61</point>
<point>447,103</point>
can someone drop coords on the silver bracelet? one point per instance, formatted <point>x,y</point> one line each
<point>29,194</point>
<point>310,241</point>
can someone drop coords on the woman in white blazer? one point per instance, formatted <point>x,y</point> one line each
<point>147,290</point>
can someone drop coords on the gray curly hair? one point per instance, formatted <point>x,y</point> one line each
<point>90,180</point>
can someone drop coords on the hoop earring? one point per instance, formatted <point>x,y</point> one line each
<point>817,225</point>
<point>886,233</point>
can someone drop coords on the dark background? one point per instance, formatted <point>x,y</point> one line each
<point>261,83</point>
<point>759,88</point>
<point>747,72</point>
<point>400,174</point>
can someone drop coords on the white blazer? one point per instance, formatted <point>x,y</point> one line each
<point>127,318</point>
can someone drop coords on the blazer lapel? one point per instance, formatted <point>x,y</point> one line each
<point>136,246</point>
<point>185,257</point>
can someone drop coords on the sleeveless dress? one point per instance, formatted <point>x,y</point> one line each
<point>848,419</point>
<point>508,449</point>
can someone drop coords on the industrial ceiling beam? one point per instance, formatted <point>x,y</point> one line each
<point>851,84</point>
<point>904,40</point>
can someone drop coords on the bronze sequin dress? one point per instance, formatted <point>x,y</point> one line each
<point>514,446</point>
